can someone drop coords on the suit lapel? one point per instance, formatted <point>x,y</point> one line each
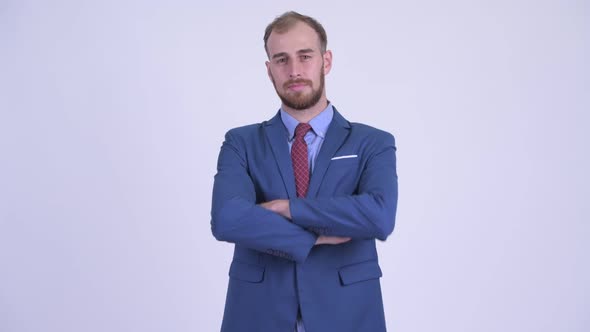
<point>335,137</point>
<point>276,134</point>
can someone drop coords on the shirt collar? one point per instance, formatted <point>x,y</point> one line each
<point>319,123</point>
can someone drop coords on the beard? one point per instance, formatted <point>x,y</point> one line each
<point>301,100</point>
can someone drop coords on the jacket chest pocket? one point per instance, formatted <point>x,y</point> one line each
<point>342,176</point>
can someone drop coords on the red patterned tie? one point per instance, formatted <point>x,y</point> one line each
<point>299,158</point>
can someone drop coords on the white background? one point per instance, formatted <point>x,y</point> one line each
<point>112,114</point>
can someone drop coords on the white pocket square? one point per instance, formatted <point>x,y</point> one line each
<point>344,157</point>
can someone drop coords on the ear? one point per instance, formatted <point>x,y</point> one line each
<point>327,62</point>
<point>267,63</point>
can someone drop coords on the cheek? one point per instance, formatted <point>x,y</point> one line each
<point>273,77</point>
<point>276,76</point>
<point>316,69</point>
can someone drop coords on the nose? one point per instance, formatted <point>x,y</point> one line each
<point>294,69</point>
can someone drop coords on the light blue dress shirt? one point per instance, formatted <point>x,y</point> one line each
<point>314,139</point>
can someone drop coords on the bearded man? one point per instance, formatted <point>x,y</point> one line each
<point>303,197</point>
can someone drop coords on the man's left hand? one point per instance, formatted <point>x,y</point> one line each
<point>280,206</point>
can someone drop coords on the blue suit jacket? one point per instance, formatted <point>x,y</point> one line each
<point>276,268</point>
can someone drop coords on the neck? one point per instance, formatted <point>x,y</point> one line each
<point>305,115</point>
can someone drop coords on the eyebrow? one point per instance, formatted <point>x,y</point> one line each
<point>279,55</point>
<point>303,51</point>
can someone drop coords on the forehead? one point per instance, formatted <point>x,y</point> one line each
<point>298,37</point>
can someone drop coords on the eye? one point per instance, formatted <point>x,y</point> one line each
<point>281,61</point>
<point>305,57</point>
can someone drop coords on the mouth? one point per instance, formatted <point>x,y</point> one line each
<point>297,86</point>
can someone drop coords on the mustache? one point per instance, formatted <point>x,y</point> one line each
<point>297,81</point>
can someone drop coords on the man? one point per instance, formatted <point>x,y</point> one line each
<point>303,197</point>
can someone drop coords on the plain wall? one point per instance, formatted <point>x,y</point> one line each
<point>112,114</point>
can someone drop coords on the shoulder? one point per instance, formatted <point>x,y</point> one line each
<point>242,137</point>
<point>250,136</point>
<point>251,130</point>
<point>363,132</point>
<point>371,134</point>
<point>244,130</point>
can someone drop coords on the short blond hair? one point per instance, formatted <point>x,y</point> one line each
<point>286,21</point>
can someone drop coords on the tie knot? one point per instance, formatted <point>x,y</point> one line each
<point>302,129</point>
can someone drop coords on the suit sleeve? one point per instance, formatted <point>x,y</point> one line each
<point>236,218</point>
<point>369,213</point>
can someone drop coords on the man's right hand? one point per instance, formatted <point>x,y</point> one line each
<point>331,240</point>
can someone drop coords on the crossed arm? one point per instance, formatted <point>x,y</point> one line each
<point>281,207</point>
<point>290,228</point>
